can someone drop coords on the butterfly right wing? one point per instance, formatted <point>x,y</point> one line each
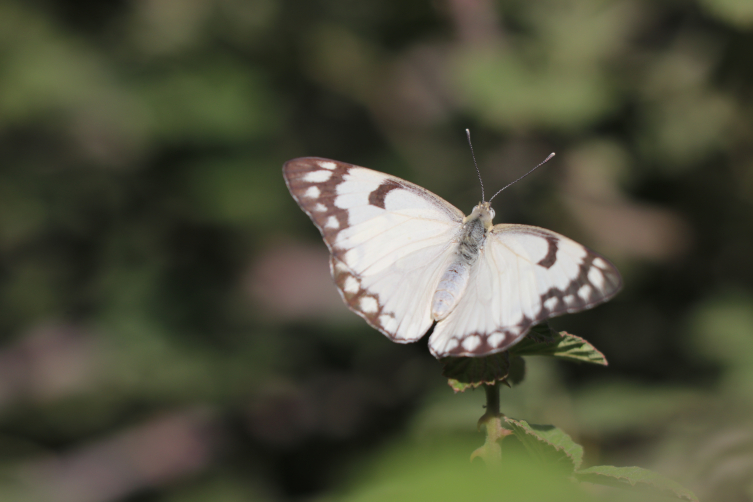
<point>524,276</point>
<point>390,240</point>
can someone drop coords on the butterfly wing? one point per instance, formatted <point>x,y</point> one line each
<point>524,275</point>
<point>390,240</point>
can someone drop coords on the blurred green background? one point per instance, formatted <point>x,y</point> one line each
<point>169,330</point>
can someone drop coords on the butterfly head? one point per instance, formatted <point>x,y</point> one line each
<point>483,212</point>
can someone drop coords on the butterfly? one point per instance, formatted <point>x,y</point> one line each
<point>406,260</point>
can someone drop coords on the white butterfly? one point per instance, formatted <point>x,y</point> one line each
<point>404,258</point>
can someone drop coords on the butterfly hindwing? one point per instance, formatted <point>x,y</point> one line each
<point>524,275</point>
<point>389,239</point>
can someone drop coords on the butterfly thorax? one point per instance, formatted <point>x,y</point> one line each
<point>469,244</point>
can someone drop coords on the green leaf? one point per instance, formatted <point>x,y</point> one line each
<point>466,373</point>
<point>437,469</point>
<point>562,345</point>
<point>517,371</point>
<point>623,477</point>
<point>470,372</point>
<point>542,333</point>
<point>547,443</point>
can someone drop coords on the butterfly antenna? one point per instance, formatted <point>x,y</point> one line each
<point>468,133</point>
<point>526,174</point>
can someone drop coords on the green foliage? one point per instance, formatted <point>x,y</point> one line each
<point>440,471</point>
<point>547,443</point>
<point>465,373</point>
<point>560,345</point>
<point>550,445</point>
<point>634,477</point>
<point>469,372</point>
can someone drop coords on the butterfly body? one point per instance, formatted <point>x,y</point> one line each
<point>454,281</point>
<point>404,259</point>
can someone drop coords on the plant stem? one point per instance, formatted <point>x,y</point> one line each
<point>492,399</point>
<point>491,452</point>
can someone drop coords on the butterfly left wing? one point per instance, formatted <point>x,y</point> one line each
<point>390,240</point>
<point>523,276</point>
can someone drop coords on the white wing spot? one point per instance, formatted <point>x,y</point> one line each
<point>349,200</point>
<point>319,207</point>
<point>569,300</point>
<point>388,322</point>
<point>351,285</point>
<point>585,292</point>
<point>600,263</point>
<point>317,176</point>
<point>312,193</point>
<point>332,223</point>
<point>551,303</point>
<point>451,345</point>
<point>368,305</point>
<point>471,343</point>
<point>327,165</point>
<point>496,339</point>
<point>596,277</point>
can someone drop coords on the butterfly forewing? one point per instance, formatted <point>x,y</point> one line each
<point>390,240</point>
<point>524,275</point>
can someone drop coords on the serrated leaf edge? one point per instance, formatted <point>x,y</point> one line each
<point>677,490</point>
<point>529,431</point>
<point>565,338</point>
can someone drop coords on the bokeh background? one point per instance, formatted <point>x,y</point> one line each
<point>168,327</point>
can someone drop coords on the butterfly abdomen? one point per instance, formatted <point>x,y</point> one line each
<point>454,281</point>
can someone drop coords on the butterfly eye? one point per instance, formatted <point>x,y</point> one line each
<point>491,213</point>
